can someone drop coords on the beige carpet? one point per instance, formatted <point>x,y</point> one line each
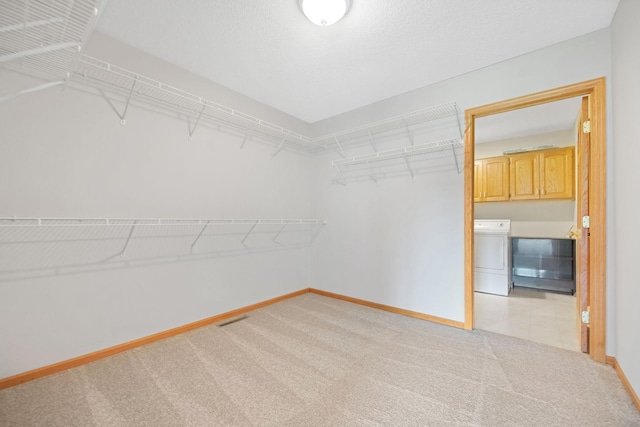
<point>315,361</point>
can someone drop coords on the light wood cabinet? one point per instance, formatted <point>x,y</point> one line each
<point>533,175</point>
<point>557,176</point>
<point>491,179</point>
<point>525,176</point>
<point>543,175</point>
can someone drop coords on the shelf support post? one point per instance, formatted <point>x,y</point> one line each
<point>372,175</point>
<point>460,129</point>
<point>246,236</point>
<point>123,252</point>
<point>126,107</point>
<point>455,158</point>
<point>278,234</point>
<point>244,140</point>
<point>280,147</point>
<point>340,149</point>
<point>409,167</point>
<point>191,131</point>
<point>409,133</point>
<point>339,172</point>
<point>373,142</point>
<point>198,237</point>
<point>313,235</point>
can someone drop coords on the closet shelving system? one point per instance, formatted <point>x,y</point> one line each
<point>412,159</point>
<point>45,39</point>
<point>98,73</point>
<point>135,87</point>
<point>34,246</point>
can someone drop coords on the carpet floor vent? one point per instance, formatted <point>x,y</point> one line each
<point>234,320</point>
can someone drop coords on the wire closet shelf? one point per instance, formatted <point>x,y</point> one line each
<point>133,86</point>
<point>413,160</point>
<point>44,38</point>
<point>97,73</point>
<point>406,122</point>
<point>39,246</point>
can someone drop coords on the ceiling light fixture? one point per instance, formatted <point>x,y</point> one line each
<point>324,12</point>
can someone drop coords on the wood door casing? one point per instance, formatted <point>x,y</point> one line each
<point>595,89</point>
<point>583,236</point>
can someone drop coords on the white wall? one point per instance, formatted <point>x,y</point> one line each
<point>65,154</point>
<point>394,242</point>
<point>542,218</point>
<point>625,34</point>
<point>400,242</point>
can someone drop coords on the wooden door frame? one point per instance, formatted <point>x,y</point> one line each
<point>596,91</point>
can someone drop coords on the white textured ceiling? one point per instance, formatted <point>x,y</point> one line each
<point>268,50</point>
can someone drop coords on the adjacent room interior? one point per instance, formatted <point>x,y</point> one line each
<point>525,270</point>
<point>242,212</point>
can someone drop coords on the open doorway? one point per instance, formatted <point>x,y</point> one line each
<point>591,172</point>
<point>525,281</point>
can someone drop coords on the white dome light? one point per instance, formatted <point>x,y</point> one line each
<point>324,12</point>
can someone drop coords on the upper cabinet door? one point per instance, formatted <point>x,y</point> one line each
<point>533,175</point>
<point>478,188</point>
<point>525,176</point>
<point>496,179</point>
<point>556,174</point>
<point>491,180</point>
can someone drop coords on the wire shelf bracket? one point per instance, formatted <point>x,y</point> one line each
<point>123,252</point>
<point>195,125</point>
<point>198,237</point>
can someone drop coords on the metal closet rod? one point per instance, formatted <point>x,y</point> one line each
<point>92,222</point>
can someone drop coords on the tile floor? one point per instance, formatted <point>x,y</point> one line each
<point>544,317</point>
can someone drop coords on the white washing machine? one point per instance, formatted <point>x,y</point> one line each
<point>492,256</point>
